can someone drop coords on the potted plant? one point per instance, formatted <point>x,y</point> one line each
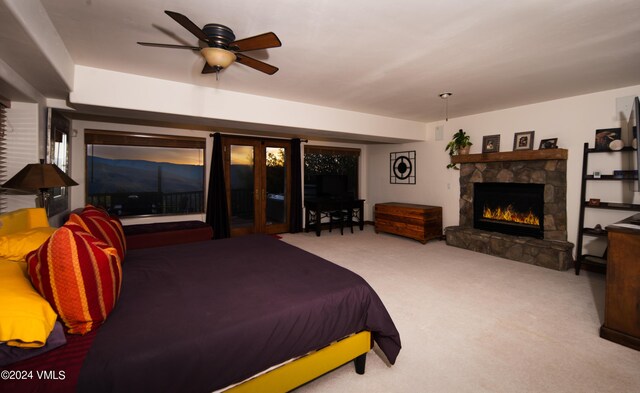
<point>460,144</point>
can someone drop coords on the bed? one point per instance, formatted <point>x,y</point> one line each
<point>243,314</point>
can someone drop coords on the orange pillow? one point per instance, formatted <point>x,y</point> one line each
<point>79,275</point>
<point>106,229</point>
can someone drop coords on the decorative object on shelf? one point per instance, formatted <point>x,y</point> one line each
<point>490,143</point>
<point>551,143</point>
<point>621,205</point>
<point>594,202</point>
<point>620,174</point>
<point>459,144</point>
<point>403,167</point>
<point>609,139</point>
<point>523,140</point>
<point>38,179</point>
<point>597,175</point>
<point>616,145</point>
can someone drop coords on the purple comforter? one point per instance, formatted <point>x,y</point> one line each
<point>197,317</point>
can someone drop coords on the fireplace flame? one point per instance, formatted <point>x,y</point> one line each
<point>510,215</point>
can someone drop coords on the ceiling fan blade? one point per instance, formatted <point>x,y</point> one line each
<point>187,24</point>
<point>256,64</point>
<point>194,48</point>
<point>262,41</point>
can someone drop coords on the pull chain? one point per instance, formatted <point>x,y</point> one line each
<point>446,110</point>
<point>445,97</point>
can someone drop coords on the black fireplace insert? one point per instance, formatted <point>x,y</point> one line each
<point>511,208</point>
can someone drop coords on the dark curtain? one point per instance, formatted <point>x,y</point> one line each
<point>295,215</point>
<point>217,212</point>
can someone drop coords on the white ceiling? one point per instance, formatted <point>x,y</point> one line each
<point>390,58</point>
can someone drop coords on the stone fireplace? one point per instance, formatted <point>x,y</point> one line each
<point>513,205</point>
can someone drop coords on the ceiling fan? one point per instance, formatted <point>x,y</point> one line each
<point>221,48</point>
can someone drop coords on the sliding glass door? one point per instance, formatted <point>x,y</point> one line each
<point>258,177</point>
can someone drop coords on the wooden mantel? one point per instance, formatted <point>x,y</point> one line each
<point>519,155</point>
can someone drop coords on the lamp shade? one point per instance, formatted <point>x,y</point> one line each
<point>35,177</point>
<point>217,57</point>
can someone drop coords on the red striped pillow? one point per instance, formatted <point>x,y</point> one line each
<point>79,275</point>
<point>106,229</point>
<point>97,211</point>
<point>93,211</point>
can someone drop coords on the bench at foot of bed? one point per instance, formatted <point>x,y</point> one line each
<point>166,233</point>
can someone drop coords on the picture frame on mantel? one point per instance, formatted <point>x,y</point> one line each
<point>490,143</point>
<point>523,140</point>
<point>551,143</point>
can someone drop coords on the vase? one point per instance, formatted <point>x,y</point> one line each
<point>464,150</point>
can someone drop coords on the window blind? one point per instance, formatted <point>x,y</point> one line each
<point>22,142</point>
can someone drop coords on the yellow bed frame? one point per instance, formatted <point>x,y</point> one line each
<point>281,379</point>
<point>302,370</point>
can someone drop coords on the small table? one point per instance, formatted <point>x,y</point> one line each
<point>317,208</point>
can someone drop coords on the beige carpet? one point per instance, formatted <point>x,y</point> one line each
<point>470,322</point>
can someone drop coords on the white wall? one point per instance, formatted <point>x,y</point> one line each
<point>572,120</point>
<point>223,108</point>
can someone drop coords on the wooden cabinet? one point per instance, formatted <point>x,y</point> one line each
<point>622,298</point>
<point>419,222</point>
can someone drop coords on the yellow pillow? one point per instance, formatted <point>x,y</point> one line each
<point>16,246</point>
<point>26,318</point>
<point>23,219</point>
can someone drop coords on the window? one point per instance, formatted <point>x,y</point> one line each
<point>134,174</point>
<point>324,160</point>
<point>58,153</point>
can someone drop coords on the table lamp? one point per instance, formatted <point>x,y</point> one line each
<point>39,178</point>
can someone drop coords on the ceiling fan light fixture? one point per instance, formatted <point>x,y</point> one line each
<point>218,58</point>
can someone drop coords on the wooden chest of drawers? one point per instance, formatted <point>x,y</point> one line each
<point>419,222</point>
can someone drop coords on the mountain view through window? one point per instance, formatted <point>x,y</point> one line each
<point>143,180</point>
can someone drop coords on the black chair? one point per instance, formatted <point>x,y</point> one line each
<point>340,216</point>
